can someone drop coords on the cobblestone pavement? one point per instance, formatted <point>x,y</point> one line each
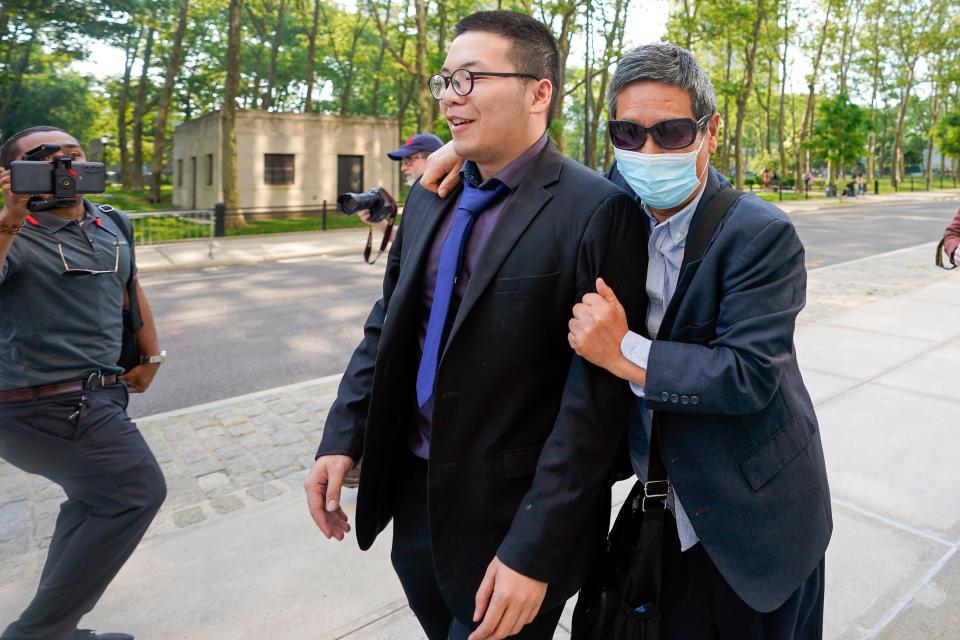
<point>217,459</point>
<point>220,458</point>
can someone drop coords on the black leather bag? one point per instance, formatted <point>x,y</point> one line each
<point>620,599</point>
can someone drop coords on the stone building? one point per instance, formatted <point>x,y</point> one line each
<point>284,159</point>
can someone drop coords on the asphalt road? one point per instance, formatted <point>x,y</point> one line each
<point>235,330</point>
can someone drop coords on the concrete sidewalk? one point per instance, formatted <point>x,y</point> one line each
<point>198,254</point>
<point>233,554</point>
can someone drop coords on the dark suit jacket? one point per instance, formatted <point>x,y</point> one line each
<point>738,432</point>
<point>523,432</point>
<point>951,237</point>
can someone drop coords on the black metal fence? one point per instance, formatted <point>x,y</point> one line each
<point>222,215</point>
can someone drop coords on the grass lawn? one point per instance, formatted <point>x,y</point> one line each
<point>335,220</point>
<point>130,200</point>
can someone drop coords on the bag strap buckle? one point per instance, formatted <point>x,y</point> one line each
<point>655,495</point>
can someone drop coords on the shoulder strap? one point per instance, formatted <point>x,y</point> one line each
<point>702,229</point>
<point>127,228</point>
<point>704,226</point>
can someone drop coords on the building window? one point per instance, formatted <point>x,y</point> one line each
<point>209,169</point>
<point>278,168</point>
<point>349,174</point>
<point>180,172</point>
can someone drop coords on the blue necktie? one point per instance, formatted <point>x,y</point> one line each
<point>473,202</point>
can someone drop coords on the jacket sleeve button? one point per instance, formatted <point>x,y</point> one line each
<point>684,399</point>
<point>674,398</point>
<point>664,397</point>
<point>694,399</point>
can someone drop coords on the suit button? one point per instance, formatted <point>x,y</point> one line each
<point>684,399</point>
<point>694,399</point>
<point>674,398</point>
<point>664,396</point>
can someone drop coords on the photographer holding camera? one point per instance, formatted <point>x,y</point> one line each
<point>67,276</point>
<point>413,162</point>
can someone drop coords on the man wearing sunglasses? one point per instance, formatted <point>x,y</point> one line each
<point>738,435</point>
<point>65,271</point>
<point>484,438</point>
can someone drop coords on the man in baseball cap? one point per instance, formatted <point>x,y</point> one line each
<point>413,154</point>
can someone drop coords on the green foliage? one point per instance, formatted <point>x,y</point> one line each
<point>947,134</point>
<point>840,131</point>
<point>60,99</point>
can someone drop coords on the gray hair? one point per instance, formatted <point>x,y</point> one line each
<point>664,63</point>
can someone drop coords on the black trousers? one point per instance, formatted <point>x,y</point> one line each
<point>413,561</point>
<point>114,488</point>
<point>698,604</point>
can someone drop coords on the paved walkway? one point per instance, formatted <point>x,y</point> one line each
<point>234,555</point>
<point>197,254</point>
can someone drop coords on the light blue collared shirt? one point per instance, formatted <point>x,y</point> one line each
<point>668,240</point>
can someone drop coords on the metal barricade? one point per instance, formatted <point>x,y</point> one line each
<point>173,225</point>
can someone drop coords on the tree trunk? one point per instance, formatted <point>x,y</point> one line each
<point>139,111</point>
<point>228,118</point>
<point>14,89</point>
<point>423,97</point>
<point>349,70</point>
<point>567,29</point>
<point>311,57</point>
<point>132,47</point>
<point>875,78</point>
<point>267,101</point>
<point>725,143</point>
<point>896,162</point>
<point>745,94</point>
<point>783,89</point>
<point>807,125</point>
<point>163,106</point>
<point>442,48</point>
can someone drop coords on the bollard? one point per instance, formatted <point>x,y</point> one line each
<point>323,216</point>
<point>219,220</point>
<point>876,187</point>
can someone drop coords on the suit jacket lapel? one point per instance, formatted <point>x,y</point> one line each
<point>528,200</point>
<point>410,282</point>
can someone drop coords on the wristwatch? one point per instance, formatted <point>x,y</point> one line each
<point>160,359</point>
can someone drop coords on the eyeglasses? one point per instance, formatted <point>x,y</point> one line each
<point>72,272</point>
<point>409,160</point>
<point>668,134</point>
<point>462,80</point>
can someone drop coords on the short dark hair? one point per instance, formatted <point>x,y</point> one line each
<point>8,152</point>
<point>534,50</point>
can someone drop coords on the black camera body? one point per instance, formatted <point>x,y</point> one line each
<point>378,201</point>
<point>60,177</point>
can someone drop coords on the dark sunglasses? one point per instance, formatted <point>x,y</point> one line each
<point>668,134</point>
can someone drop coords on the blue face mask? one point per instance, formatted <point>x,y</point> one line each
<point>662,180</point>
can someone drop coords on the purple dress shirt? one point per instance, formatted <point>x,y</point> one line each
<point>511,175</point>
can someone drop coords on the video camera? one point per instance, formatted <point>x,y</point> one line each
<point>378,201</point>
<point>61,177</point>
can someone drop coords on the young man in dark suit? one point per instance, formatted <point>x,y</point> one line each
<point>484,438</point>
